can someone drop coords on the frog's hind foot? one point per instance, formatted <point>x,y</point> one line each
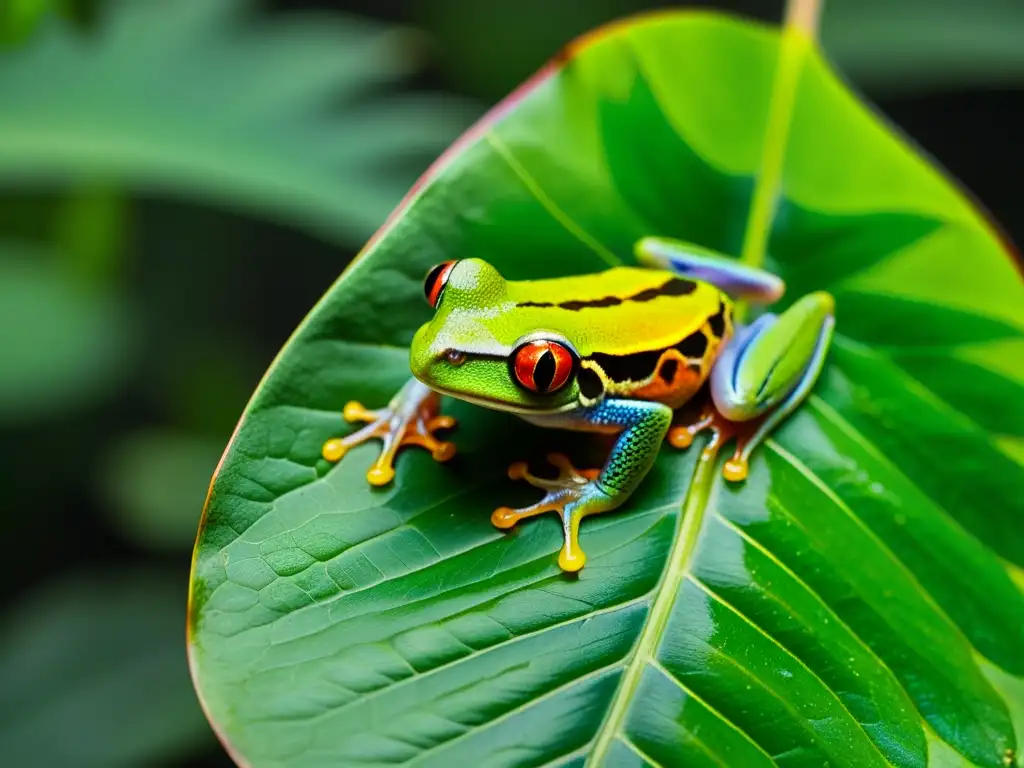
<point>722,430</point>
<point>760,378</point>
<point>567,473</point>
<point>411,418</point>
<point>573,494</point>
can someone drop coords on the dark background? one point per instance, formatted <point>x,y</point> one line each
<point>102,494</point>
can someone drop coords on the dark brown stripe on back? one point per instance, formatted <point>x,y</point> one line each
<point>635,367</point>
<point>640,365</point>
<point>676,286</point>
<point>717,321</point>
<point>668,370</point>
<point>694,345</point>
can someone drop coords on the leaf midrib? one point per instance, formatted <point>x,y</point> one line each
<point>795,42</point>
<point>679,559</point>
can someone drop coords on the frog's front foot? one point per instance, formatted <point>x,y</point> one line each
<point>573,495</point>
<point>411,418</point>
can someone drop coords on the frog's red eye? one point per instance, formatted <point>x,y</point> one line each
<point>542,366</point>
<point>436,280</point>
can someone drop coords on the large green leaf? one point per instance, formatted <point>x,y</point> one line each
<point>186,97</point>
<point>857,602</point>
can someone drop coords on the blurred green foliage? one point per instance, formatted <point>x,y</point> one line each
<point>19,18</point>
<point>91,673</point>
<point>126,355</point>
<point>153,481</point>
<point>913,46</point>
<point>179,182</point>
<point>72,340</point>
<point>884,46</point>
<point>192,98</point>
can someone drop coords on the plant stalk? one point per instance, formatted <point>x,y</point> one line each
<point>798,35</point>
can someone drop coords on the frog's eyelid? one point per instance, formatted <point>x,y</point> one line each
<point>436,280</point>
<point>543,335</point>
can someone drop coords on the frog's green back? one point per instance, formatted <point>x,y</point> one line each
<point>618,311</point>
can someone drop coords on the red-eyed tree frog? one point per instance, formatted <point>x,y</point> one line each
<point>614,352</point>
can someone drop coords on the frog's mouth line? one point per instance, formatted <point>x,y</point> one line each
<point>501,405</point>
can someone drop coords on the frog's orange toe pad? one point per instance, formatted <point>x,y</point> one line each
<point>354,411</point>
<point>410,418</point>
<point>504,517</point>
<point>571,562</point>
<point>443,451</point>
<point>735,470</point>
<point>680,437</point>
<point>567,495</point>
<point>379,476</point>
<point>517,471</point>
<point>333,449</point>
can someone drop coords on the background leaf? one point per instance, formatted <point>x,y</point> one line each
<point>909,48</point>
<point>190,98</point>
<point>125,703</point>
<point>921,45</point>
<point>65,342</point>
<point>154,480</point>
<point>849,605</point>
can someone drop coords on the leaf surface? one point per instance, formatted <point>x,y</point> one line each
<point>856,602</point>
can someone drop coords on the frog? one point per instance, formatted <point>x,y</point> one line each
<point>617,352</point>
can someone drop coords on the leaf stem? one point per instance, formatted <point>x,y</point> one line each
<point>666,592</point>
<point>798,34</point>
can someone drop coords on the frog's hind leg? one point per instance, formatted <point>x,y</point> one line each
<point>740,281</point>
<point>639,426</point>
<point>762,375</point>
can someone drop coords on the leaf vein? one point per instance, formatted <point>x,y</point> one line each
<point>774,641</point>
<point>499,146</point>
<point>656,664</point>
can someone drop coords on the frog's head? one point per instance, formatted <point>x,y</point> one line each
<point>475,348</point>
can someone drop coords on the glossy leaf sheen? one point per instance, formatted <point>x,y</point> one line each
<point>856,602</point>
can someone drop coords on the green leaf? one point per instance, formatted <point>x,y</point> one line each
<point>194,99</point>
<point>486,48</point>
<point>19,17</point>
<point>92,674</point>
<point>154,480</point>
<point>90,229</point>
<point>920,45</point>
<point>64,343</point>
<point>856,602</point>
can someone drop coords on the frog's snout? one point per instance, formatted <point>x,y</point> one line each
<point>419,356</point>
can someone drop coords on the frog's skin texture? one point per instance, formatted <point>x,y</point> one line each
<point>614,352</point>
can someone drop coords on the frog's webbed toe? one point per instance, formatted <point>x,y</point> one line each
<point>722,430</point>
<point>573,494</point>
<point>761,377</point>
<point>411,418</point>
